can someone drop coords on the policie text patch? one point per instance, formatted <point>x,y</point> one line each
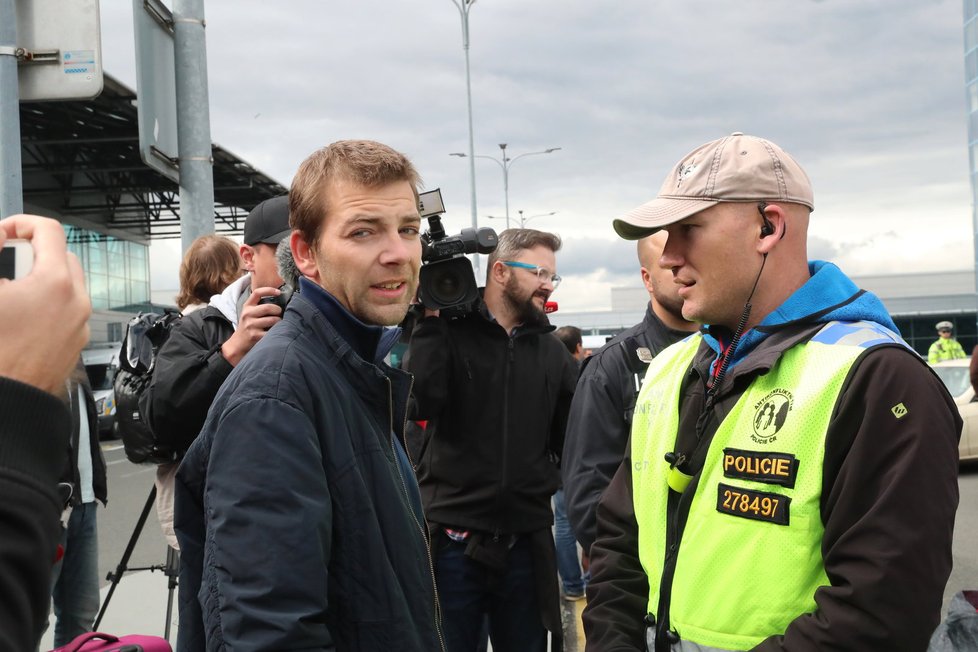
<point>756,505</point>
<point>760,466</point>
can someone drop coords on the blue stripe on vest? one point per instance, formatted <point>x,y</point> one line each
<point>863,334</point>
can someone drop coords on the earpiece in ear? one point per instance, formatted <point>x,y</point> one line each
<point>766,228</point>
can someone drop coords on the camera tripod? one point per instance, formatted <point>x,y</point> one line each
<point>171,568</point>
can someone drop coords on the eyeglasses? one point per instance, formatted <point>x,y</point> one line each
<point>543,274</point>
<point>944,330</point>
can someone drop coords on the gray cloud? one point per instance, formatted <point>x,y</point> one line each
<point>868,96</point>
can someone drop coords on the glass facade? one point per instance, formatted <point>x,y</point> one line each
<point>116,271</point>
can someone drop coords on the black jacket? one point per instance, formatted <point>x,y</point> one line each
<point>297,513</point>
<point>189,370</point>
<point>87,411</point>
<point>601,417</point>
<point>33,424</point>
<point>496,408</point>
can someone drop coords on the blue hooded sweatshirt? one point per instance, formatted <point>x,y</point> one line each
<point>829,295</point>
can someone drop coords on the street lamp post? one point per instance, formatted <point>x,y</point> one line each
<point>524,220</point>
<point>499,217</point>
<point>506,163</point>
<point>464,7</point>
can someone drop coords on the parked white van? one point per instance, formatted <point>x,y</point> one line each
<point>101,363</point>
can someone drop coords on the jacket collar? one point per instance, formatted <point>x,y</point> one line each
<point>371,343</point>
<point>227,301</point>
<point>306,313</point>
<point>482,309</point>
<point>828,295</point>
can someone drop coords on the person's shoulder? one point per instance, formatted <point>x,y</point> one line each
<point>893,364</point>
<point>201,319</point>
<point>618,347</point>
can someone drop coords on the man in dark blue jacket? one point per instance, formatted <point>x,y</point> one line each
<point>298,515</point>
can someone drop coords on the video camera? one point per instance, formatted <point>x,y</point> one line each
<point>447,281</point>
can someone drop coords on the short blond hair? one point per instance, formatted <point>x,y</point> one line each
<point>364,162</point>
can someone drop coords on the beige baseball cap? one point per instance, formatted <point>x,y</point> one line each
<point>736,168</point>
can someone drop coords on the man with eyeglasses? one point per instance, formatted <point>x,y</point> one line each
<point>945,347</point>
<point>495,388</point>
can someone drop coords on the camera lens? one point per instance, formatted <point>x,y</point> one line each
<point>447,287</point>
<point>448,283</point>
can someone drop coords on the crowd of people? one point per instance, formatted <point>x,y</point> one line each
<point>761,463</point>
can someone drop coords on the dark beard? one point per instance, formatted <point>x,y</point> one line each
<point>525,310</point>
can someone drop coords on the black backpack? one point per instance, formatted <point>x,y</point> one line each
<point>145,335</point>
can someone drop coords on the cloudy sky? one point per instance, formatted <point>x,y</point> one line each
<point>868,96</point>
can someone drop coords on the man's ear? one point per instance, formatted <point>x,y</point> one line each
<point>247,253</point>
<point>646,279</point>
<point>773,230</point>
<point>304,256</point>
<point>498,272</point>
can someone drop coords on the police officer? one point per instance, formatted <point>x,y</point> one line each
<point>945,347</point>
<point>791,481</point>
<point>601,413</point>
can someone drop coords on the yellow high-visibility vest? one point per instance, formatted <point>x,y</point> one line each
<point>749,561</point>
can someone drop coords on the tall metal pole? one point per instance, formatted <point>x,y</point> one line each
<point>11,179</point>
<point>463,8</point>
<point>193,122</point>
<point>502,146</point>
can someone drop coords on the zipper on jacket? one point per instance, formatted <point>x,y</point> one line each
<point>677,512</point>
<point>676,516</point>
<point>503,466</point>
<point>421,528</point>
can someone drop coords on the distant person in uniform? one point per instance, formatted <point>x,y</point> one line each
<point>945,347</point>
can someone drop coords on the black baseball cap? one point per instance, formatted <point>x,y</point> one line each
<point>268,222</point>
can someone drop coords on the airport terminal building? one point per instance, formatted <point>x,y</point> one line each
<point>81,165</point>
<point>915,301</point>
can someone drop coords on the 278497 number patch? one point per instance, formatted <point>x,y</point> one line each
<point>756,505</point>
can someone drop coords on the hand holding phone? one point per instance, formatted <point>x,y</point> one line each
<point>16,259</point>
<point>44,310</point>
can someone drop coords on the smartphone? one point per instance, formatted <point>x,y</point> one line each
<point>16,259</point>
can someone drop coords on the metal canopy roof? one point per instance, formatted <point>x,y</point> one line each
<point>81,159</point>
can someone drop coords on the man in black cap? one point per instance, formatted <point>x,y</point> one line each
<point>207,344</point>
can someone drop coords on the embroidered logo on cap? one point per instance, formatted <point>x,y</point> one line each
<point>685,170</point>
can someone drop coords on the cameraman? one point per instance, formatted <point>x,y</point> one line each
<point>495,388</point>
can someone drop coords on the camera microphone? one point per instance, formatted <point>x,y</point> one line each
<point>549,307</point>
<point>285,263</point>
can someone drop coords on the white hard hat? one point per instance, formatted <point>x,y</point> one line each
<point>944,325</point>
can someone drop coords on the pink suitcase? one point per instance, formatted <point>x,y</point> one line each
<point>99,642</point>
